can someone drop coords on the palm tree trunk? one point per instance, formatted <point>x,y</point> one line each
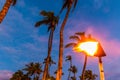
<point>74,76</point>
<point>85,62</point>
<point>60,61</point>
<point>46,68</point>
<point>5,9</point>
<point>70,71</point>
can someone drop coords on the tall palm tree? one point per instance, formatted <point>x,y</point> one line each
<point>33,69</point>
<point>5,8</point>
<point>69,58</point>
<point>51,20</point>
<point>79,37</point>
<point>67,4</point>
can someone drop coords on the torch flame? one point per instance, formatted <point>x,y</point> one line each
<point>88,47</point>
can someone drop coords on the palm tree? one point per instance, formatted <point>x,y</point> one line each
<point>5,8</point>
<point>69,58</point>
<point>79,37</point>
<point>88,75</point>
<point>51,20</point>
<point>67,4</point>
<point>33,69</point>
<point>19,76</point>
<point>73,69</point>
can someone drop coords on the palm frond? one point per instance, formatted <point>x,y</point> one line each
<point>75,37</point>
<point>50,14</point>
<point>43,12</point>
<point>50,27</point>
<point>14,2</point>
<point>80,33</point>
<point>74,69</point>
<point>45,61</point>
<point>51,61</point>
<point>70,45</point>
<point>53,23</point>
<point>56,19</point>
<point>47,14</point>
<point>68,57</point>
<point>74,4</point>
<point>39,23</point>
<point>64,6</point>
<point>73,78</point>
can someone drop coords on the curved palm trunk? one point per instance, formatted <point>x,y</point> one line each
<point>5,9</point>
<point>46,68</point>
<point>84,67</point>
<point>60,61</point>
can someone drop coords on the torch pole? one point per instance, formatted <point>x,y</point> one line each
<point>102,77</point>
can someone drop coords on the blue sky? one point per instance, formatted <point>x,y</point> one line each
<point>21,42</point>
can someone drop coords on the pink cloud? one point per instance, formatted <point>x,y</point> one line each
<point>5,74</point>
<point>8,49</point>
<point>110,45</point>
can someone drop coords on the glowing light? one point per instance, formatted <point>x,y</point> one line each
<point>88,47</point>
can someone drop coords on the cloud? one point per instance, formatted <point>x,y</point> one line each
<point>32,48</point>
<point>111,45</point>
<point>41,39</point>
<point>5,74</point>
<point>8,49</point>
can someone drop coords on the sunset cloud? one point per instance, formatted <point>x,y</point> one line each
<point>5,75</point>
<point>111,45</point>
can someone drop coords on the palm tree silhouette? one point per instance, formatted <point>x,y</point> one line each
<point>5,8</point>
<point>19,76</point>
<point>67,4</point>
<point>79,37</point>
<point>69,58</point>
<point>51,20</point>
<point>33,69</point>
<point>73,69</point>
<point>88,75</point>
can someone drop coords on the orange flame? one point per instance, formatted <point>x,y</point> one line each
<point>88,47</point>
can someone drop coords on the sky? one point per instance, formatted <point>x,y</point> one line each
<point>21,42</point>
